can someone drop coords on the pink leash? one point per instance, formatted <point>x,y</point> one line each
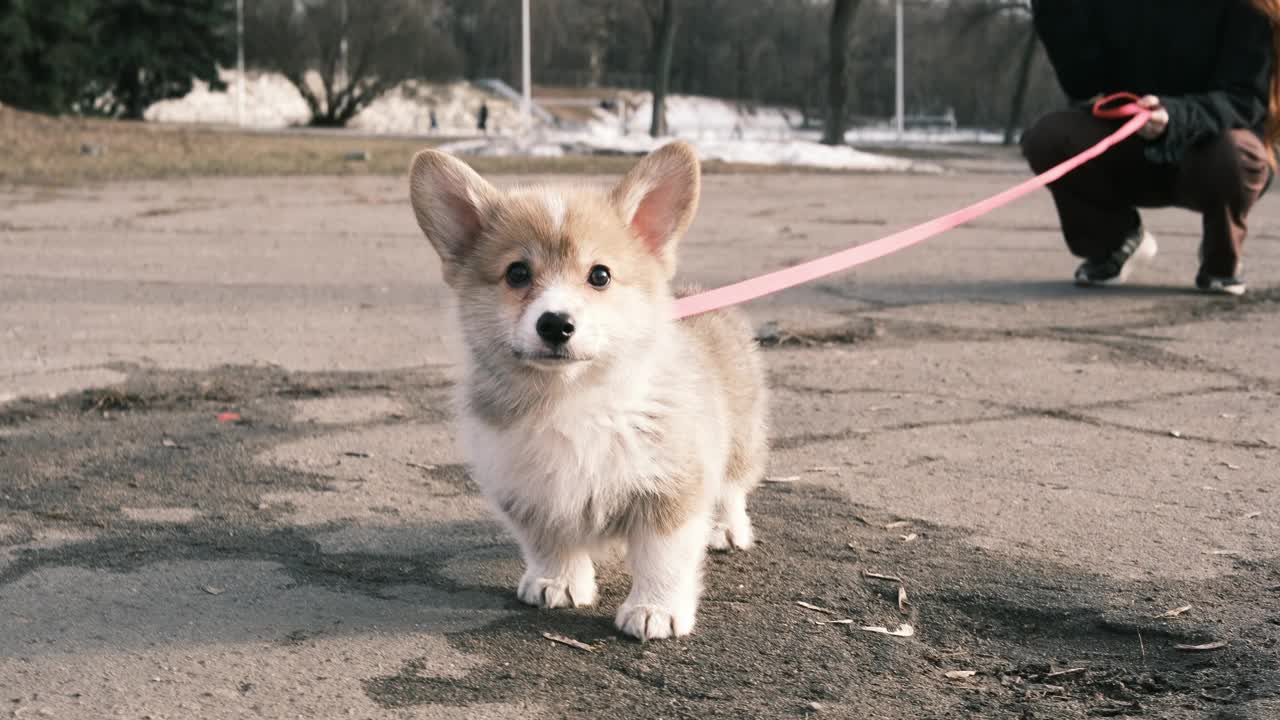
<point>779,280</point>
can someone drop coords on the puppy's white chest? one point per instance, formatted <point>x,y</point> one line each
<point>564,463</point>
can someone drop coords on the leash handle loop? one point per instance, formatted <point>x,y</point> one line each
<point>1117,106</point>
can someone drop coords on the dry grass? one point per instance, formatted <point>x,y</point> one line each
<point>42,150</point>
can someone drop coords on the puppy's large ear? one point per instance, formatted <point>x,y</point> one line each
<point>449,199</point>
<point>659,198</point>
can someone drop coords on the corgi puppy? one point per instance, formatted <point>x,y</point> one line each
<point>590,416</point>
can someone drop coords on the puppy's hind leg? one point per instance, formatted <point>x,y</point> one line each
<point>732,528</point>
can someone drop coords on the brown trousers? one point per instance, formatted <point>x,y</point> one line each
<point>1097,204</point>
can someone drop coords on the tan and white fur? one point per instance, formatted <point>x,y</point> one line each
<point>590,416</point>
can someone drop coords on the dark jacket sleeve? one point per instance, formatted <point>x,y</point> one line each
<point>1070,39</point>
<point>1242,85</point>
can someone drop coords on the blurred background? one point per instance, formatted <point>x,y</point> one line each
<point>766,81</point>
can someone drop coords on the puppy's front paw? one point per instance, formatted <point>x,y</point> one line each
<point>651,622</point>
<point>556,592</point>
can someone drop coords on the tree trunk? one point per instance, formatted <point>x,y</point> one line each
<point>664,48</point>
<point>602,20</point>
<point>837,79</point>
<point>1020,89</point>
<point>129,94</point>
<point>740,53</point>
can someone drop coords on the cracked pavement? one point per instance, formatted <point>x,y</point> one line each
<point>1047,470</point>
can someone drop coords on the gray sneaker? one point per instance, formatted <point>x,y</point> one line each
<point>1115,268</point>
<point>1220,285</point>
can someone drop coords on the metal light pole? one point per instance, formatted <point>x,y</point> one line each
<point>527,101</point>
<point>898,81</point>
<point>240,63</point>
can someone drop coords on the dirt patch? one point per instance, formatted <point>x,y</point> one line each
<point>757,654</point>
<point>177,439</point>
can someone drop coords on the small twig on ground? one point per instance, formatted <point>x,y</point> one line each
<point>568,641</point>
<point>903,630</point>
<point>1218,645</point>
<point>1172,613</point>
<point>815,608</point>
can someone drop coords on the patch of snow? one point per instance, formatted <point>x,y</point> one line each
<point>407,110</point>
<point>270,101</point>
<point>720,129</point>
<point>695,117</point>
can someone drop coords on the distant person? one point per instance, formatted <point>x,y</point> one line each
<point>435,122</point>
<point>1207,71</point>
<point>482,118</point>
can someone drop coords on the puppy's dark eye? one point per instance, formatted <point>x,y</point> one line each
<point>519,275</point>
<point>599,276</point>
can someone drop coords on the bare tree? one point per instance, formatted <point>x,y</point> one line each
<point>342,54</point>
<point>763,51</point>
<point>663,22</point>
<point>842,12</point>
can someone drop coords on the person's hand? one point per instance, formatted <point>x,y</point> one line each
<point>1159,121</point>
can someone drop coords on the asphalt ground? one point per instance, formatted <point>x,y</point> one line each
<point>1047,470</point>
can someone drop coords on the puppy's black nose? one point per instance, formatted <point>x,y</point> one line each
<point>555,328</point>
